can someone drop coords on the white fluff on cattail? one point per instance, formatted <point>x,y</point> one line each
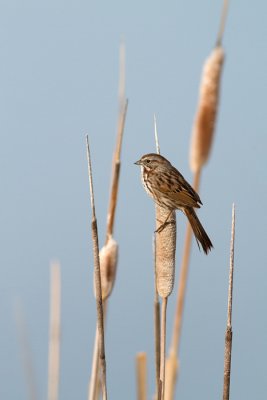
<point>108,257</point>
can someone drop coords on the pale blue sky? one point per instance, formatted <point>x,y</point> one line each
<point>59,80</point>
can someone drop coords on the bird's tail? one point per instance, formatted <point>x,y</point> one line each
<point>199,232</point>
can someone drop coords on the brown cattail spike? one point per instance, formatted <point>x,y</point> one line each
<point>205,119</point>
<point>165,252</point>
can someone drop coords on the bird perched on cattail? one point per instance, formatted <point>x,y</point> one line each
<point>170,190</point>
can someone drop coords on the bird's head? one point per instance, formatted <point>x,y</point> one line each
<point>152,161</point>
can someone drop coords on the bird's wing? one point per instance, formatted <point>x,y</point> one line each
<point>178,189</point>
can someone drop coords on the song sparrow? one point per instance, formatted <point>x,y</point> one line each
<point>169,189</point>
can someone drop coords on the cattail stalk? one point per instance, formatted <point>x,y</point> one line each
<point>165,247</point>
<point>206,115</point>
<point>229,333</point>
<point>205,120</point>
<point>94,378</point>
<point>182,283</point>
<point>156,326</point>
<point>163,348</point>
<point>54,335</point>
<point>202,137</point>
<point>141,376</point>
<point>97,275</point>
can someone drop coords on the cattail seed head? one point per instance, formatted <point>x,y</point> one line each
<point>205,119</point>
<point>165,252</point>
<point>108,257</point>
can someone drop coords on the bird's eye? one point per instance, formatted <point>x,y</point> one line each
<point>148,161</point>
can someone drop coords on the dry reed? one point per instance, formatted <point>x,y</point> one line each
<point>97,280</point>
<point>54,335</point>
<point>229,333</point>
<point>141,375</point>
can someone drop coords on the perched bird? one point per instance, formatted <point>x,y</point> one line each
<point>170,190</point>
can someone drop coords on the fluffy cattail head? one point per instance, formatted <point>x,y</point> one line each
<point>203,129</point>
<point>108,257</point>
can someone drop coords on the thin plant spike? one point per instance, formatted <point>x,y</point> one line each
<point>98,291</point>
<point>222,22</point>
<point>156,135</point>
<point>229,332</point>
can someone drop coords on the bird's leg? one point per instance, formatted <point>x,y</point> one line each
<point>162,226</point>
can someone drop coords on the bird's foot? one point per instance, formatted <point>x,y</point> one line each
<point>163,226</point>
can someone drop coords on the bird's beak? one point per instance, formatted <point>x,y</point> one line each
<point>138,162</point>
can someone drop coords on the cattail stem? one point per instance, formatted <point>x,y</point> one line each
<point>163,346</point>
<point>229,333</point>
<point>177,326</point>
<point>156,325</point>
<point>165,248</point>
<point>95,381</point>
<point>172,362</point>
<point>97,275</point>
<point>141,376</point>
<point>54,336</point>
<point>94,373</point>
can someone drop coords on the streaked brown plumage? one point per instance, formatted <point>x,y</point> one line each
<point>169,189</point>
